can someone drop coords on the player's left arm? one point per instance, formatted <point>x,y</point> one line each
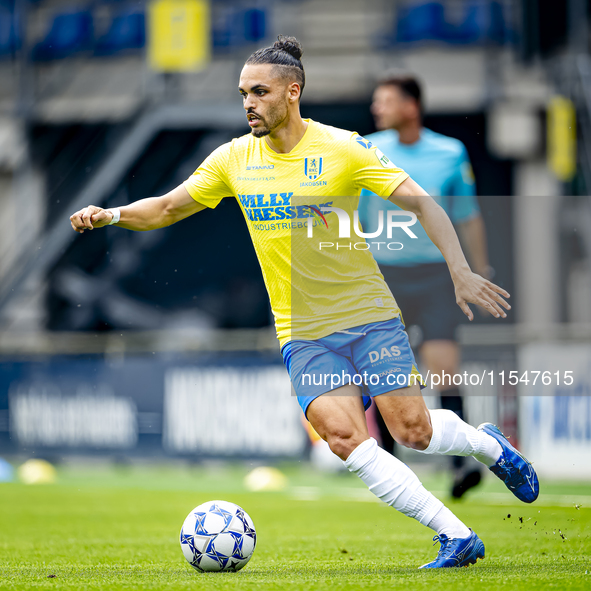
<point>469,287</point>
<point>472,235</point>
<point>466,217</point>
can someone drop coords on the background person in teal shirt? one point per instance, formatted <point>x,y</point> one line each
<point>417,274</point>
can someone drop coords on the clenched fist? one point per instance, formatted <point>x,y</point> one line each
<point>91,217</point>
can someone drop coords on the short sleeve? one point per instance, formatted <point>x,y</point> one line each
<point>463,191</point>
<point>208,185</point>
<point>463,175</point>
<point>370,168</point>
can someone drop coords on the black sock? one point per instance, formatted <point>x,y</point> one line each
<point>451,400</point>
<point>388,442</point>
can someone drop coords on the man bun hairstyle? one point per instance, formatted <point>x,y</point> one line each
<point>291,45</point>
<point>408,84</point>
<point>286,54</point>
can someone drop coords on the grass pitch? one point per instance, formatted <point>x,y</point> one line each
<point>108,528</point>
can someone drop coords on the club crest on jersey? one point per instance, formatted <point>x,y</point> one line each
<point>313,168</point>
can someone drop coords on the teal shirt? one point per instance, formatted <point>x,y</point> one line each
<point>441,166</point>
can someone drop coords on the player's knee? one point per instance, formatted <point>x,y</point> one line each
<point>416,436</point>
<point>343,442</point>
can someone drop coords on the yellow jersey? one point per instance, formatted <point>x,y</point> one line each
<point>293,205</point>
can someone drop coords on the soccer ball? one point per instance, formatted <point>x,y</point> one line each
<point>218,536</point>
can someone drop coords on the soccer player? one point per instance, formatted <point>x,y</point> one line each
<point>417,274</point>
<point>331,306</point>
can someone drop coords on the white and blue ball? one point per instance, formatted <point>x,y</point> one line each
<point>218,536</point>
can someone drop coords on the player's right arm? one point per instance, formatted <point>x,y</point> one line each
<point>205,188</point>
<point>146,214</point>
<point>469,287</point>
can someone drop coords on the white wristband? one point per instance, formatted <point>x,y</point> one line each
<point>116,215</point>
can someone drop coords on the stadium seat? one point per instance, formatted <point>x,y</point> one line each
<point>254,24</point>
<point>127,32</point>
<point>499,28</point>
<point>69,33</point>
<point>237,27</point>
<point>482,21</point>
<point>470,28</point>
<point>420,22</point>
<point>9,33</point>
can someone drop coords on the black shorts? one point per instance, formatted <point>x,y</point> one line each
<point>426,297</point>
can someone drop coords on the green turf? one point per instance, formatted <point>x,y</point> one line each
<point>109,528</point>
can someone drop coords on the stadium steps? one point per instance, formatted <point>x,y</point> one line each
<point>91,90</point>
<point>343,26</point>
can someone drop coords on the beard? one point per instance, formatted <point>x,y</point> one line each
<point>275,117</point>
<point>261,132</point>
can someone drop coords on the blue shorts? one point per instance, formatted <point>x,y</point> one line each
<point>377,357</point>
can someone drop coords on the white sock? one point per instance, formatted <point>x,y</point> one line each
<point>452,437</point>
<point>445,522</point>
<point>398,486</point>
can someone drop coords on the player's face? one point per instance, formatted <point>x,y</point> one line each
<point>266,98</point>
<point>391,108</point>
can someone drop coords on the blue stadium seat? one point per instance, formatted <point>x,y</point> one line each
<point>420,22</point>
<point>9,33</point>
<point>239,26</point>
<point>499,28</point>
<point>482,21</point>
<point>127,32</point>
<point>70,33</point>
<point>255,24</point>
<point>470,29</point>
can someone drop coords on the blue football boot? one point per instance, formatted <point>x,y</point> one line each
<point>512,468</point>
<point>455,552</point>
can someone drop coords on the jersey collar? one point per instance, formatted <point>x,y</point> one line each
<point>298,148</point>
